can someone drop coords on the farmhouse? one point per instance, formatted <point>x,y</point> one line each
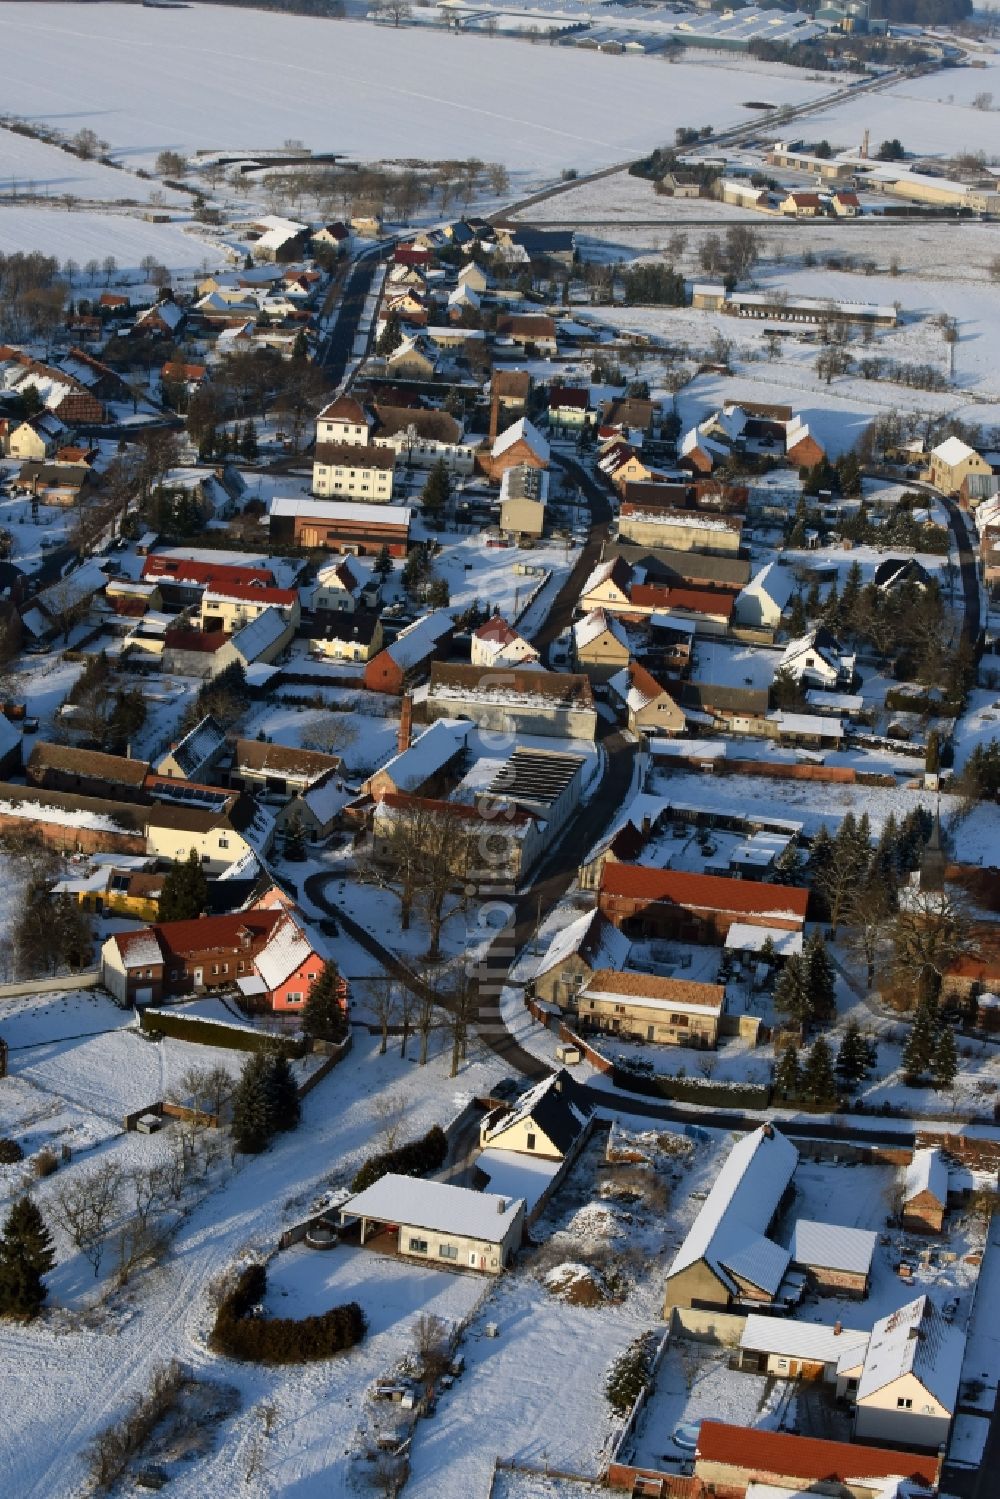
<point>649,708</point>
<point>952,462</point>
<point>647,523</point>
<point>694,907</point>
<point>925,1192</point>
<point>908,1388</point>
<point>63,767</point>
<point>495,643</point>
<point>645,1007</point>
<point>266,956</point>
<point>727,1258</point>
<point>574,955</point>
<point>278,769</point>
<point>429,1220</point>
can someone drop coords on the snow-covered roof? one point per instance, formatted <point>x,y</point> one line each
<point>953,451</point>
<point>286,950</point>
<point>426,755</point>
<point>830,1246</point>
<point>436,1206</point>
<point>557,1106</point>
<point>805,1340</point>
<point>351,511</point>
<point>605,945</point>
<point>260,634</point>
<point>728,1233</point>
<point>814,725</point>
<point>522,431</point>
<point>744,938</point>
<point>775,582</point>
<point>914,1340</point>
<point>141,950</point>
<point>413,644</point>
<point>597,623</point>
<point>199,747</point>
<point>927,1172</point>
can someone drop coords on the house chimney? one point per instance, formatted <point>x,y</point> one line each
<point>501,1205</point>
<point>838,1328</point>
<point>494,413</point>
<point>405,737</point>
<point>768,1132</point>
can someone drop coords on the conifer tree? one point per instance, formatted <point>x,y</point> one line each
<point>819,1085</point>
<point>852,1057</point>
<point>185,890</point>
<point>391,336</point>
<point>323,1017</point>
<point>253,1123</point>
<point>791,994</point>
<point>788,1074</point>
<point>25,1255</point>
<point>918,1052</point>
<point>819,980</point>
<point>944,1065</point>
<point>437,491</point>
<point>282,1094</point>
<point>295,839</point>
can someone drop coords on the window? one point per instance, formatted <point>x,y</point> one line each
<point>902,1404</point>
<point>223,841</point>
<point>448,1252</point>
<point>418,1246</point>
<point>531,1141</point>
<point>225,967</point>
<point>294,999</point>
<point>679,1020</point>
<point>215,968</point>
<point>240,966</point>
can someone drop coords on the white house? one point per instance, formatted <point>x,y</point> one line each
<point>908,1388</point>
<point>495,643</point>
<point>765,598</point>
<point>552,1120</point>
<point>818,660</point>
<point>453,1227</point>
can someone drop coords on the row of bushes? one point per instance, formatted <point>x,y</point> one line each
<point>416,1158</point>
<point>280,1340</point>
<point>697,1090</point>
<point>217,1033</point>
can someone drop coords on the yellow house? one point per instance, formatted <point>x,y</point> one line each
<point>238,604</point>
<point>600,645</point>
<point>607,587</point>
<point>802,205</point>
<point>412,360</point>
<point>650,709</point>
<point>37,437</point>
<point>551,1121</point>
<point>116,891</point>
<point>952,462</point>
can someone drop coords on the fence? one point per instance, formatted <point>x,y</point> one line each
<point>86,979</point>
<point>631,1420</point>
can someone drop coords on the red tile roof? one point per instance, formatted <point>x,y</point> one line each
<point>808,1458</point>
<point>210,574</point>
<point>207,933</point>
<point>709,891</point>
<point>697,600</point>
<point>566,396</point>
<point>207,641</point>
<point>256,593</point>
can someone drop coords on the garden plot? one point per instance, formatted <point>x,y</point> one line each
<point>500,577</point>
<point>363,737</point>
<point>391,1292</point>
<point>33,538</point>
<point>696,1384</point>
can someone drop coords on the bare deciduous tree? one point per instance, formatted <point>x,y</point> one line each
<point>88,1205</point>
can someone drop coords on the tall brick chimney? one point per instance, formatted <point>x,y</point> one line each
<point>494,412</point>
<point>405,737</point>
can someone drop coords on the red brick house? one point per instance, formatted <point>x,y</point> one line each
<point>694,907</point>
<point>267,956</point>
<point>410,653</point>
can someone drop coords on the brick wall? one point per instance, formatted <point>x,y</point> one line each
<point>84,840</point>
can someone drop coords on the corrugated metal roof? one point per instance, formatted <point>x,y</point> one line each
<point>829,1246</point>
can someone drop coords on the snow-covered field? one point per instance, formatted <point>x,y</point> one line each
<point>933,115</point>
<point>29,166</point>
<point>91,236</point>
<point>250,79</point>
